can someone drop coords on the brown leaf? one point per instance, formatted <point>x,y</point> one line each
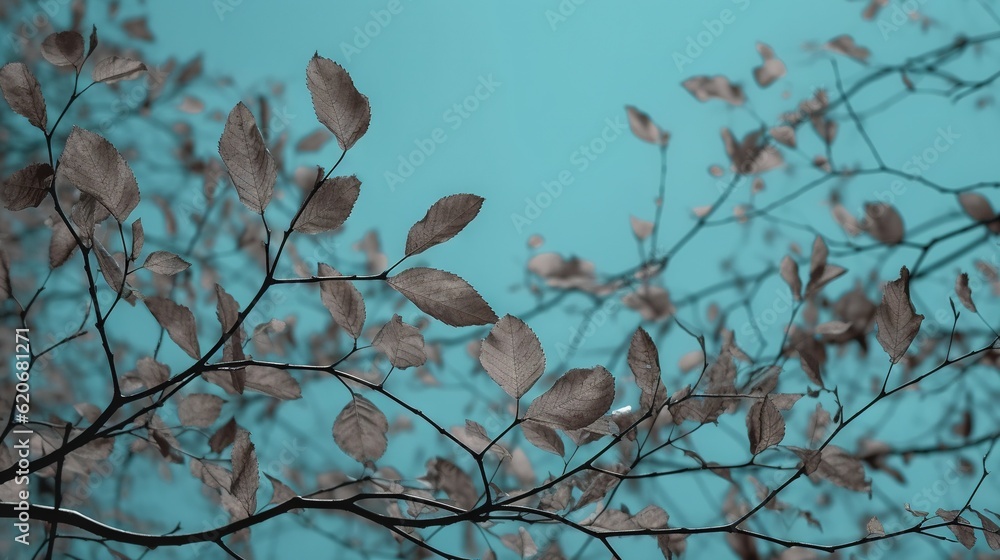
<point>96,167</point>
<point>179,323</point>
<point>790,274</point>
<point>245,154</point>
<point>330,206</point>
<point>898,322</point>
<point>63,244</point>
<point>644,361</point>
<point>116,69</point>
<point>63,49</point>
<point>28,187</point>
<point>228,313</point>
<point>576,400</point>
<point>960,528</point>
<point>445,219</point>
<point>200,410</point>
<point>138,28</point>
<point>444,296</point>
<point>224,437</point>
<point>338,104</point>
<point>765,425</point>
<point>704,88</point>
<point>771,70</point>
<point>402,343</point>
<point>246,477</point>
<point>23,93</point>
<point>138,239</point>
<point>979,209</point>
<point>991,531</point>
<point>884,223</point>
<point>360,430</point>
<point>165,263</point>
<point>343,300</point>
<point>512,356</point>
<point>644,128</point>
<point>543,437</point>
<point>963,292</point>
<point>845,45</point>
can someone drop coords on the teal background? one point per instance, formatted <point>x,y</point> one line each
<point>561,80</point>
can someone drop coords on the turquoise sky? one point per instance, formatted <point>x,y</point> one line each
<point>513,96</point>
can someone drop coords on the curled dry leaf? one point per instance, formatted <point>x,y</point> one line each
<point>897,320</point>
<point>444,296</point>
<point>704,88</point>
<point>445,219</point>
<point>344,301</point>
<point>330,206</point>
<point>845,45</point>
<point>360,430</point>
<point>138,239</point>
<point>753,154</point>
<point>512,356</point>
<point>771,70</point>
<point>576,400</point>
<point>23,93</point>
<point>644,128</point>
<point>401,343</point>
<point>964,293</point>
<point>245,155</point>
<point>652,302</point>
<point>338,104</point>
